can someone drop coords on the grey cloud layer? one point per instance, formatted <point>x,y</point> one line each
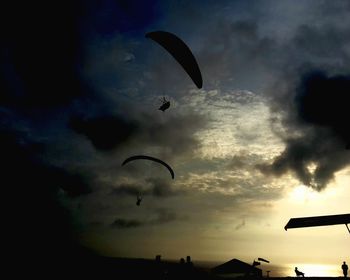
<point>162,216</point>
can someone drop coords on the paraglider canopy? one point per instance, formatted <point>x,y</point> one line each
<point>137,157</point>
<point>263,260</point>
<point>180,51</point>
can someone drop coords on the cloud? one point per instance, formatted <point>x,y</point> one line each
<point>33,209</point>
<point>40,61</point>
<point>157,187</point>
<point>318,151</point>
<point>129,189</point>
<point>161,187</point>
<point>124,223</point>
<point>127,16</point>
<point>240,225</point>
<point>176,134</point>
<point>172,135</point>
<point>161,216</point>
<point>309,101</point>
<point>236,55</point>
<point>322,100</point>
<point>104,132</point>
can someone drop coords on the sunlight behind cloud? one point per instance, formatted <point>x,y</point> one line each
<point>302,193</point>
<point>239,120</point>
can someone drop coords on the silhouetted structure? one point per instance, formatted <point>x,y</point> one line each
<point>299,273</point>
<point>345,268</point>
<point>236,267</point>
<point>188,261</point>
<point>319,221</point>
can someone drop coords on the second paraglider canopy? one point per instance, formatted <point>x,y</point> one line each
<point>145,157</point>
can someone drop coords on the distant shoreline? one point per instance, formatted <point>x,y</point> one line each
<point>208,265</point>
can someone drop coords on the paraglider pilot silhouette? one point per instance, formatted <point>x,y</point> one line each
<point>165,105</point>
<point>344,267</point>
<point>138,201</point>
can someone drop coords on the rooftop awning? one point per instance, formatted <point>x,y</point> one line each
<point>318,221</point>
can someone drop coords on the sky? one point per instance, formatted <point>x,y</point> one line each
<point>265,139</point>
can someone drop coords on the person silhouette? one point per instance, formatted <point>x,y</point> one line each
<point>298,273</point>
<point>138,201</point>
<point>344,267</point>
<point>189,263</point>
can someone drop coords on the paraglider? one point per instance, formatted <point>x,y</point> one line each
<point>138,200</point>
<point>152,159</point>
<point>181,53</point>
<point>165,105</point>
<point>263,260</point>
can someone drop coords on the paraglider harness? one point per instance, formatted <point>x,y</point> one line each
<point>165,104</point>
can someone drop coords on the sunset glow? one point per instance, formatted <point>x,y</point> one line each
<point>235,115</point>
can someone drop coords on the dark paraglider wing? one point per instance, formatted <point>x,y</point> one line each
<point>318,221</point>
<point>263,260</point>
<point>180,51</point>
<point>137,157</point>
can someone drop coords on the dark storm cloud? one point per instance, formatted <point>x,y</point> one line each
<point>22,155</point>
<point>73,184</point>
<point>39,224</point>
<point>161,216</point>
<point>323,100</point>
<point>313,102</point>
<point>111,16</point>
<point>301,156</point>
<point>41,56</point>
<point>324,45</point>
<point>128,189</point>
<point>105,132</point>
<point>153,186</point>
<point>124,223</point>
<point>320,107</point>
<point>238,55</point>
<point>161,187</point>
<point>176,134</point>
